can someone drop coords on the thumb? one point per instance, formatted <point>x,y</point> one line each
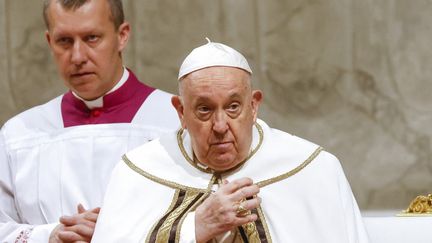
<point>81,208</point>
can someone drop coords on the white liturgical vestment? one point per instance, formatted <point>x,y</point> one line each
<point>154,191</point>
<point>60,154</point>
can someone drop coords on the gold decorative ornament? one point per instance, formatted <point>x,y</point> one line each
<point>420,206</point>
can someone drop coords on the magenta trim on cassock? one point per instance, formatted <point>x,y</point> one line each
<point>119,106</point>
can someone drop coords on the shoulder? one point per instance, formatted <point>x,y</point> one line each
<point>162,161</point>
<point>156,99</point>
<point>285,144</point>
<point>160,99</point>
<point>297,144</point>
<point>162,95</point>
<point>294,150</point>
<point>41,118</point>
<point>140,153</point>
<point>145,155</point>
<point>328,163</point>
<point>157,111</point>
<point>324,161</point>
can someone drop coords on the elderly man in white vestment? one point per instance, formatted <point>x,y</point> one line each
<point>56,158</point>
<point>226,176</point>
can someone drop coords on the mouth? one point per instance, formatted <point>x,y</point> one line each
<point>222,145</point>
<point>81,74</point>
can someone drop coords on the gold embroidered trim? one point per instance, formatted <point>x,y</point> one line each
<point>191,209</point>
<point>291,172</point>
<point>208,170</point>
<point>264,223</point>
<point>251,232</point>
<point>165,229</point>
<point>263,183</point>
<point>173,202</point>
<point>167,183</point>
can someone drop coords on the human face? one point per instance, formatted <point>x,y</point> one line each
<point>218,108</point>
<point>87,47</point>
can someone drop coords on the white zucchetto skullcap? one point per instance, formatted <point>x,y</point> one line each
<point>210,55</point>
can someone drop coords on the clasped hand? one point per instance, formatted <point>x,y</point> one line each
<point>76,228</point>
<point>225,209</point>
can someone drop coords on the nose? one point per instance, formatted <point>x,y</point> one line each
<point>220,123</point>
<point>79,54</point>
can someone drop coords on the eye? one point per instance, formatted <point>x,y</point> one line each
<point>92,38</point>
<point>64,41</point>
<point>203,112</point>
<point>203,109</point>
<point>234,107</point>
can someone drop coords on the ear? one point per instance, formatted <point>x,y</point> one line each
<point>48,38</point>
<point>123,35</point>
<point>257,97</point>
<point>177,103</point>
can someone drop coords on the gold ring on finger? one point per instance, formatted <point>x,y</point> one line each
<point>241,210</point>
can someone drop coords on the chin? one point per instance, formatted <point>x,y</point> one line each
<point>89,95</point>
<point>222,165</point>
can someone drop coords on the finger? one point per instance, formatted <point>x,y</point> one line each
<point>77,218</point>
<point>81,208</point>
<point>246,192</point>
<point>86,218</point>
<point>70,236</point>
<point>236,184</point>
<point>247,219</point>
<point>96,210</point>
<point>69,220</point>
<point>244,208</point>
<point>84,231</point>
<point>91,216</point>
<point>84,222</point>
<point>251,203</point>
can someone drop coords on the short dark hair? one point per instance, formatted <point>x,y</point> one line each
<point>116,6</point>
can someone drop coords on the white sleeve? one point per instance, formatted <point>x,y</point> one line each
<point>187,231</point>
<point>12,232</point>
<point>12,228</point>
<point>354,222</point>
